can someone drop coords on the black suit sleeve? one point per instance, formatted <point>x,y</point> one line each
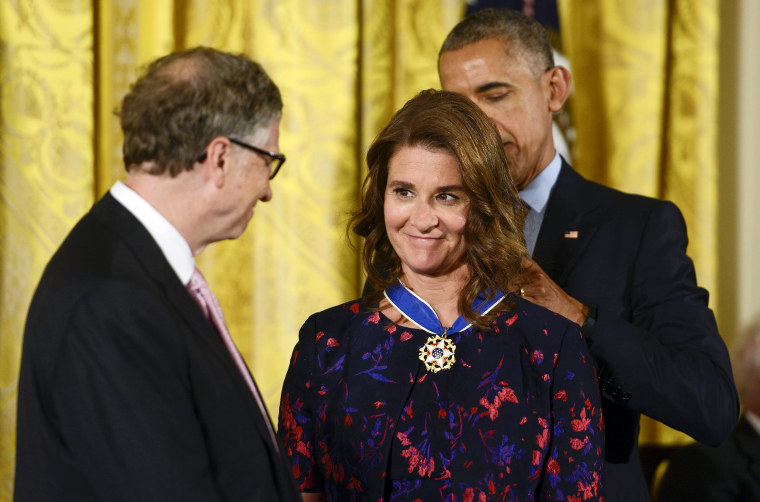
<point>123,403</point>
<point>669,362</point>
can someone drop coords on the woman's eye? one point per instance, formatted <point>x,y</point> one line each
<point>447,197</point>
<point>402,192</point>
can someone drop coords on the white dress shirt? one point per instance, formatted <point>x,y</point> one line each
<point>175,248</point>
<point>536,196</point>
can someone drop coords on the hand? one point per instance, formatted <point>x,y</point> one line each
<point>537,287</point>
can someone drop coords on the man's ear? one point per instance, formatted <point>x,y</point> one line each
<point>216,163</point>
<point>558,81</point>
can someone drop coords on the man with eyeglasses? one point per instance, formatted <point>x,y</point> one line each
<point>131,387</point>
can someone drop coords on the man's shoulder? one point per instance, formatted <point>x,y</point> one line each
<point>573,188</point>
<point>101,239</point>
<point>569,177</point>
<point>99,255</point>
<point>92,275</point>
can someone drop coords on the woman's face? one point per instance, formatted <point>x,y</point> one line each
<point>426,211</point>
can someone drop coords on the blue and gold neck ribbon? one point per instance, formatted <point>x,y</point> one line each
<point>438,353</point>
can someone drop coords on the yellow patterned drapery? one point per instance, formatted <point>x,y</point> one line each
<point>343,67</point>
<point>46,168</point>
<point>646,69</point>
<point>645,106</point>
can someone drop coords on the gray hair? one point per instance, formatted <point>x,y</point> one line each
<point>186,99</point>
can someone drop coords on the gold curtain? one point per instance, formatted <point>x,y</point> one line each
<point>343,66</point>
<point>46,168</point>
<point>645,108</point>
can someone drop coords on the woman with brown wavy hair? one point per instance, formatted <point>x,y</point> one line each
<point>444,384</point>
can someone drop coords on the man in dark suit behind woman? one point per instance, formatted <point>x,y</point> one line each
<point>612,262</point>
<point>730,472</point>
<point>128,390</point>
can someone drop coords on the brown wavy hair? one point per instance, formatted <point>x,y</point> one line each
<point>186,99</point>
<point>448,122</point>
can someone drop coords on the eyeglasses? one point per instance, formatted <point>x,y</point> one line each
<point>274,166</point>
<point>278,159</point>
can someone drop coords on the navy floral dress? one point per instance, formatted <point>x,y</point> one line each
<point>518,416</point>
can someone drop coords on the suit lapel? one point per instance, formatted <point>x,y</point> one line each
<point>197,322</point>
<point>155,265</point>
<point>568,226</point>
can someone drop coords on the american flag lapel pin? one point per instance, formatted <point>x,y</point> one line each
<point>572,234</point>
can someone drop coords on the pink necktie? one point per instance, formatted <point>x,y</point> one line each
<point>208,303</point>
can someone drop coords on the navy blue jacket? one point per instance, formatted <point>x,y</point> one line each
<point>655,341</point>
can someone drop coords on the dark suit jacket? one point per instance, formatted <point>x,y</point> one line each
<point>728,473</point>
<point>655,341</point>
<point>126,391</point>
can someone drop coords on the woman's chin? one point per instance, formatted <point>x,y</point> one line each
<point>430,269</point>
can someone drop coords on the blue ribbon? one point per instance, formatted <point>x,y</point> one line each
<point>422,314</point>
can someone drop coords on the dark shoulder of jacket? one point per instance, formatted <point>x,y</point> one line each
<point>611,197</point>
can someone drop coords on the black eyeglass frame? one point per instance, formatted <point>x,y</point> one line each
<point>280,158</point>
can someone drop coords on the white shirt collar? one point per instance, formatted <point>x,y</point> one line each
<point>536,194</point>
<point>173,245</point>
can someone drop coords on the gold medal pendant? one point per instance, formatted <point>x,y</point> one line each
<point>438,353</point>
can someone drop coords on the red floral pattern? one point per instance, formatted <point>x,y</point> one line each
<point>518,417</point>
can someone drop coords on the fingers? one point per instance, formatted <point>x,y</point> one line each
<point>527,277</point>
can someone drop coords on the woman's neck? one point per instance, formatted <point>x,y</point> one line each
<point>440,292</point>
